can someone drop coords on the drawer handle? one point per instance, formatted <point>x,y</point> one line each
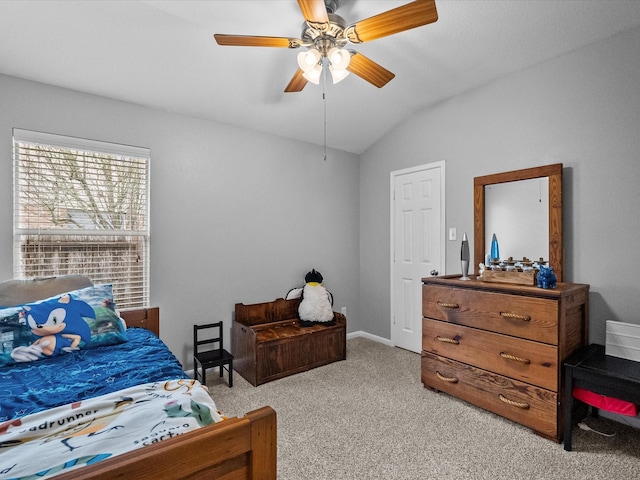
<point>522,405</point>
<point>515,316</point>
<point>514,358</point>
<point>448,340</point>
<point>447,305</point>
<point>446,379</point>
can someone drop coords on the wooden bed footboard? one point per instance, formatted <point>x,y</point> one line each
<point>236,448</point>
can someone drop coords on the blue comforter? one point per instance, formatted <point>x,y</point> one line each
<point>35,386</point>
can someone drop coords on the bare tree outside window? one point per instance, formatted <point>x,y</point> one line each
<point>82,211</point>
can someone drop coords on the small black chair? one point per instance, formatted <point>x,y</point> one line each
<point>213,356</point>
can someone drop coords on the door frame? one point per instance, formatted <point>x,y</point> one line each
<point>392,177</point>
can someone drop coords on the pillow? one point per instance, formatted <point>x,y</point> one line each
<point>27,290</point>
<point>80,319</point>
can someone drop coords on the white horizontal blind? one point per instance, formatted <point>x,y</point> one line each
<point>82,206</point>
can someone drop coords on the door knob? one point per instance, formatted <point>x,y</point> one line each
<point>433,273</point>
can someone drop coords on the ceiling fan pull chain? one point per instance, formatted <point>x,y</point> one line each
<point>324,104</point>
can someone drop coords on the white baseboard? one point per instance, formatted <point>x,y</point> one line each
<point>359,333</point>
<point>375,338</point>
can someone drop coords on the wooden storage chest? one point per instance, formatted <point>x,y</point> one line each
<point>501,346</point>
<point>268,342</point>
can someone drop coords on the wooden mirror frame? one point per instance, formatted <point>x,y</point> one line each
<point>556,245</point>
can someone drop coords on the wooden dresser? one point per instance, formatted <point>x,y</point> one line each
<point>501,346</point>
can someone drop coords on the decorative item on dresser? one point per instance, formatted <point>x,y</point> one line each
<point>501,346</point>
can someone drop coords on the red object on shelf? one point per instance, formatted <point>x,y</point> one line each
<point>605,403</point>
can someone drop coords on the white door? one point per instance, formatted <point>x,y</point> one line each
<point>417,244</point>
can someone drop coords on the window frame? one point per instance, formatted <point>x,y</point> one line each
<point>134,293</point>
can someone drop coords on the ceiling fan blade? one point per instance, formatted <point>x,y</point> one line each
<point>257,41</point>
<point>369,70</point>
<point>406,17</point>
<point>315,13</point>
<point>297,82</point>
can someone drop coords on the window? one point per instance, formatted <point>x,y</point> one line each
<point>82,206</point>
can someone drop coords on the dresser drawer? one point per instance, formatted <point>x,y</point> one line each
<point>521,316</point>
<point>524,360</point>
<point>532,406</point>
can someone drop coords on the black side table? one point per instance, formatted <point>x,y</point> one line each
<point>591,369</point>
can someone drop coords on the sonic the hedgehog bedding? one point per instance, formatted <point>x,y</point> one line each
<point>70,436</point>
<point>31,387</point>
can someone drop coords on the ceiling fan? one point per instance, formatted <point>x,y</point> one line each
<point>325,35</point>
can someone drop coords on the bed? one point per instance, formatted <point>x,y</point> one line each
<point>90,379</point>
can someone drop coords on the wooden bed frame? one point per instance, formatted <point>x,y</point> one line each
<point>236,448</point>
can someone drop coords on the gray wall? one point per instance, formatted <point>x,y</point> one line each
<point>240,217</point>
<point>582,110</point>
<point>236,216</point>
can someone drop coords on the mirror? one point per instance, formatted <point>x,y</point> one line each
<point>504,204</point>
<point>524,209</point>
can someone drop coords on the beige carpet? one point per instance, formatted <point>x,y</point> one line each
<point>369,417</point>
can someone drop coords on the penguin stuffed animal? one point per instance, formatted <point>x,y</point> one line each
<point>316,304</point>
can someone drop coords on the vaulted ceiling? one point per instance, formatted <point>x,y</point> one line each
<point>162,54</point>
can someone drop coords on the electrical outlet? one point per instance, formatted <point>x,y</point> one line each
<point>343,311</point>
<point>452,233</point>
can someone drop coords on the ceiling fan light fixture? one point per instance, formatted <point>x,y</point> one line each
<point>338,74</point>
<point>309,59</point>
<point>339,58</point>
<point>313,74</point>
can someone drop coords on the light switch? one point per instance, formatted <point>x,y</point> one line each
<point>452,233</point>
